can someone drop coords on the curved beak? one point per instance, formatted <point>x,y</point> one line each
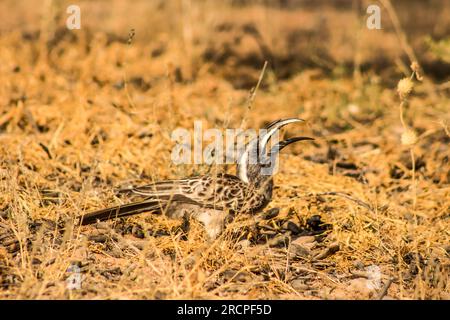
<point>261,141</point>
<point>280,145</point>
<point>271,161</point>
<point>273,127</point>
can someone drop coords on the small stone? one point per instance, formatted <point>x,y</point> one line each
<point>314,222</point>
<point>339,294</point>
<point>293,227</point>
<point>299,250</point>
<point>190,261</point>
<point>112,274</point>
<point>138,231</point>
<point>4,214</point>
<point>358,265</point>
<point>332,248</point>
<point>271,213</point>
<point>304,240</point>
<point>278,241</point>
<point>447,249</point>
<point>99,238</point>
<point>236,276</point>
<point>115,253</point>
<point>360,286</point>
<point>80,253</point>
<point>243,244</point>
<point>102,225</point>
<point>299,285</point>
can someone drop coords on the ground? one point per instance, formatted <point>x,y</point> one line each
<point>360,213</point>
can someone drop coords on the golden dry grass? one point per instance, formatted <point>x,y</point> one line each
<point>87,113</point>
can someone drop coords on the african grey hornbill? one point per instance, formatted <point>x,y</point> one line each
<point>210,198</point>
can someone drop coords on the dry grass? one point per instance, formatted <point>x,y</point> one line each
<point>71,130</point>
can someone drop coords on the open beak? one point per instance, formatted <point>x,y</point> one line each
<point>280,145</point>
<point>257,147</point>
<point>261,141</point>
<point>270,161</point>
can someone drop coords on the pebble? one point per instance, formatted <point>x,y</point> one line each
<point>293,227</point>
<point>304,240</point>
<point>278,241</point>
<point>102,225</point>
<point>299,250</point>
<point>302,246</point>
<point>236,276</point>
<point>115,253</point>
<point>358,265</point>
<point>243,244</point>
<point>138,232</point>
<point>271,213</point>
<point>299,285</point>
<point>360,286</point>
<point>332,248</point>
<point>99,238</point>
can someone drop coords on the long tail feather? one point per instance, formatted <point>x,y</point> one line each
<point>158,189</point>
<point>123,210</point>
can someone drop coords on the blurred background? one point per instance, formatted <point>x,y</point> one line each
<point>234,38</point>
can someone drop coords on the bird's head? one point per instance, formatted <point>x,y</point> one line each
<point>256,165</point>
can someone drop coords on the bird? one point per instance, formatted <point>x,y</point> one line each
<point>212,198</point>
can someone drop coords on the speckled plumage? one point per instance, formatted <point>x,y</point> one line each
<point>210,198</point>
